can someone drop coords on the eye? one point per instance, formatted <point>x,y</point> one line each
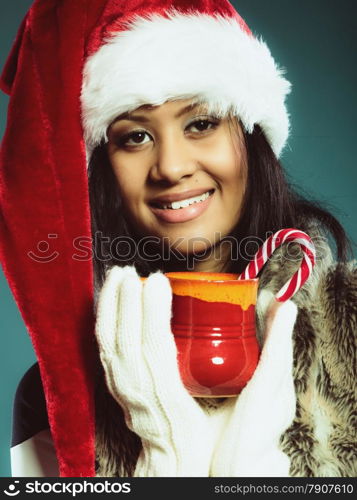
<point>137,138</point>
<point>202,125</point>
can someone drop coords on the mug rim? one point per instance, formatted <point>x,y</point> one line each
<point>188,276</point>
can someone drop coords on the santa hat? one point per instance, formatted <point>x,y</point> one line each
<point>74,67</point>
<point>208,55</point>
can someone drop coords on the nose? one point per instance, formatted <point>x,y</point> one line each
<point>173,160</point>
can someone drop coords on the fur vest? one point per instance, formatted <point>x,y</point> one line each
<point>321,440</point>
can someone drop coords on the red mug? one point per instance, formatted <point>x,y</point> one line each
<point>213,322</point>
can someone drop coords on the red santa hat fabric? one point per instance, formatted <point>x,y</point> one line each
<point>73,68</point>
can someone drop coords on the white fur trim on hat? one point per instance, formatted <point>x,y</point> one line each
<point>209,59</point>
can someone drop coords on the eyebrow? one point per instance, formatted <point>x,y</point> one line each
<point>142,118</point>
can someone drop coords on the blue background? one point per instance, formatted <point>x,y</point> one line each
<point>315,40</point>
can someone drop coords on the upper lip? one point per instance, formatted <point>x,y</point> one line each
<point>184,195</point>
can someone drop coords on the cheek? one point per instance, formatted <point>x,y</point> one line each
<point>126,188</point>
<point>233,178</point>
<point>129,182</point>
<point>227,160</point>
<point>236,168</point>
<point>231,172</point>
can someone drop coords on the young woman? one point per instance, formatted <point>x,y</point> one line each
<point>175,113</point>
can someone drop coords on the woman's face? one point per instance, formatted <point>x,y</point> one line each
<point>181,173</point>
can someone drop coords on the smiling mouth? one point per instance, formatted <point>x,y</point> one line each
<point>179,205</point>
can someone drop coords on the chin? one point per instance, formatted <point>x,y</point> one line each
<point>188,245</point>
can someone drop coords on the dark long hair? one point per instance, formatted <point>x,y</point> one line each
<point>270,203</point>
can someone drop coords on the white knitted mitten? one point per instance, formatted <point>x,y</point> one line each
<point>139,356</point>
<point>249,446</point>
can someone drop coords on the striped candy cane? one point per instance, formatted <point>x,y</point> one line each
<point>270,245</point>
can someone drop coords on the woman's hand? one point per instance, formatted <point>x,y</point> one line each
<point>139,356</point>
<point>249,445</point>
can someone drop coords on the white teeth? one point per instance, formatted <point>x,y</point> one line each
<point>175,205</point>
